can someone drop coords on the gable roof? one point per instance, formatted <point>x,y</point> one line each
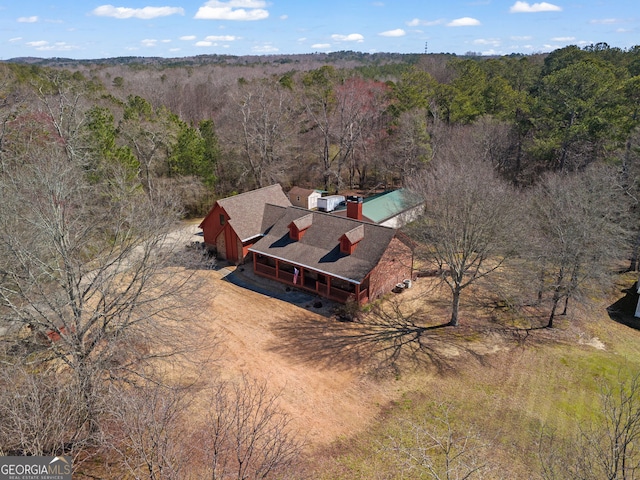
<point>303,192</point>
<point>319,249</point>
<point>381,207</point>
<point>246,210</point>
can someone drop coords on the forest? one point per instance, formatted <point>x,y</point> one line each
<point>529,166</point>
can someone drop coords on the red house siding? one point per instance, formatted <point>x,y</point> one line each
<point>394,267</point>
<point>215,224</point>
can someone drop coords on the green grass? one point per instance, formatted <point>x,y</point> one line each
<point>551,380</point>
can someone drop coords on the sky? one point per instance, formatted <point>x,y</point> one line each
<point>91,29</point>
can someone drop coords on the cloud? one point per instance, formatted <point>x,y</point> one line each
<point>203,43</point>
<point>493,42</point>
<point>188,38</point>
<point>352,37</point>
<point>221,38</point>
<point>44,46</point>
<point>32,19</point>
<point>15,39</point>
<point>464,22</point>
<point>524,7</point>
<point>416,22</point>
<point>521,38</point>
<point>241,10</point>
<point>145,13</point>
<point>149,42</point>
<point>321,46</point>
<point>265,49</point>
<point>284,17</point>
<point>398,32</point>
<point>563,39</point>
<point>605,21</point>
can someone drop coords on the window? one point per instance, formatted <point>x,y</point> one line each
<point>222,219</point>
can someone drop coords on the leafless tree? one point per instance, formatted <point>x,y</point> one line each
<point>148,433</point>
<point>89,270</point>
<point>38,411</point>
<point>245,433</point>
<point>469,225</point>
<point>436,448</point>
<point>576,238</point>
<point>606,447</point>
<point>266,124</point>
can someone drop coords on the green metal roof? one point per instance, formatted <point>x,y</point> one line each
<point>383,206</point>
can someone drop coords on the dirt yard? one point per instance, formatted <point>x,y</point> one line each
<point>325,400</point>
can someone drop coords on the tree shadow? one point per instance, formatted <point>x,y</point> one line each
<point>384,340</point>
<point>623,310</point>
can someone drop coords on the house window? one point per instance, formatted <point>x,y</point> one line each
<point>221,219</point>
<point>298,198</point>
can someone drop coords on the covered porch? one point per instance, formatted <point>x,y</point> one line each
<point>320,283</point>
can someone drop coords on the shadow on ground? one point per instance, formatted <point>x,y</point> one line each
<point>245,278</point>
<point>623,310</point>
<point>381,342</point>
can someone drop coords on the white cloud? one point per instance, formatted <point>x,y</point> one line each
<point>523,38</point>
<point>524,7</point>
<point>605,21</point>
<point>188,38</point>
<point>493,42</point>
<point>464,22</point>
<point>202,43</point>
<point>149,42</point>
<point>241,10</point>
<point>321,46</point>
<point>45,46</point>
<point>284,17</point>
<point>32,19</point>
<point>15,39</point>
<point>265,49</point>
<point>145,13</point>
<point>221,38</point>
<point>352,37</point>
<point>563,39</point>
<point>398,32</point>
<point>416,22</point>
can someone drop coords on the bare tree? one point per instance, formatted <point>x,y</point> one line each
<point>469,224</point>
<point>606,447</point>
<point>267,125</point>
<point>38,411</point>
<point>576,238</point>
<point>149,431</point>
<point>435,448</point>
<point>88,269</point>
<point>245,433</point>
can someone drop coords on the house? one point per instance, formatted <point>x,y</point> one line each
<point>336,257</point>
<point>392,209</point>
<point>304,197</point>
<point>235,223</point>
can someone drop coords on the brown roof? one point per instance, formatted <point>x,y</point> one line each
<point>319,249</point>
<point>246,211</point>
<point>303,192</point>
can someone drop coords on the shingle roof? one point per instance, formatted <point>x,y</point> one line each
<point>246,210</point>
<point>319,249</point>
<point>303,192</point>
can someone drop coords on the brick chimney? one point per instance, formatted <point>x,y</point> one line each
<point>354,207</point>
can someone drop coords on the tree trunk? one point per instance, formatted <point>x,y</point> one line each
<point>556,300</point>
<point>455,304</point>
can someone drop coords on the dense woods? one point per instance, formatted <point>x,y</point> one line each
<point>529,167</point>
